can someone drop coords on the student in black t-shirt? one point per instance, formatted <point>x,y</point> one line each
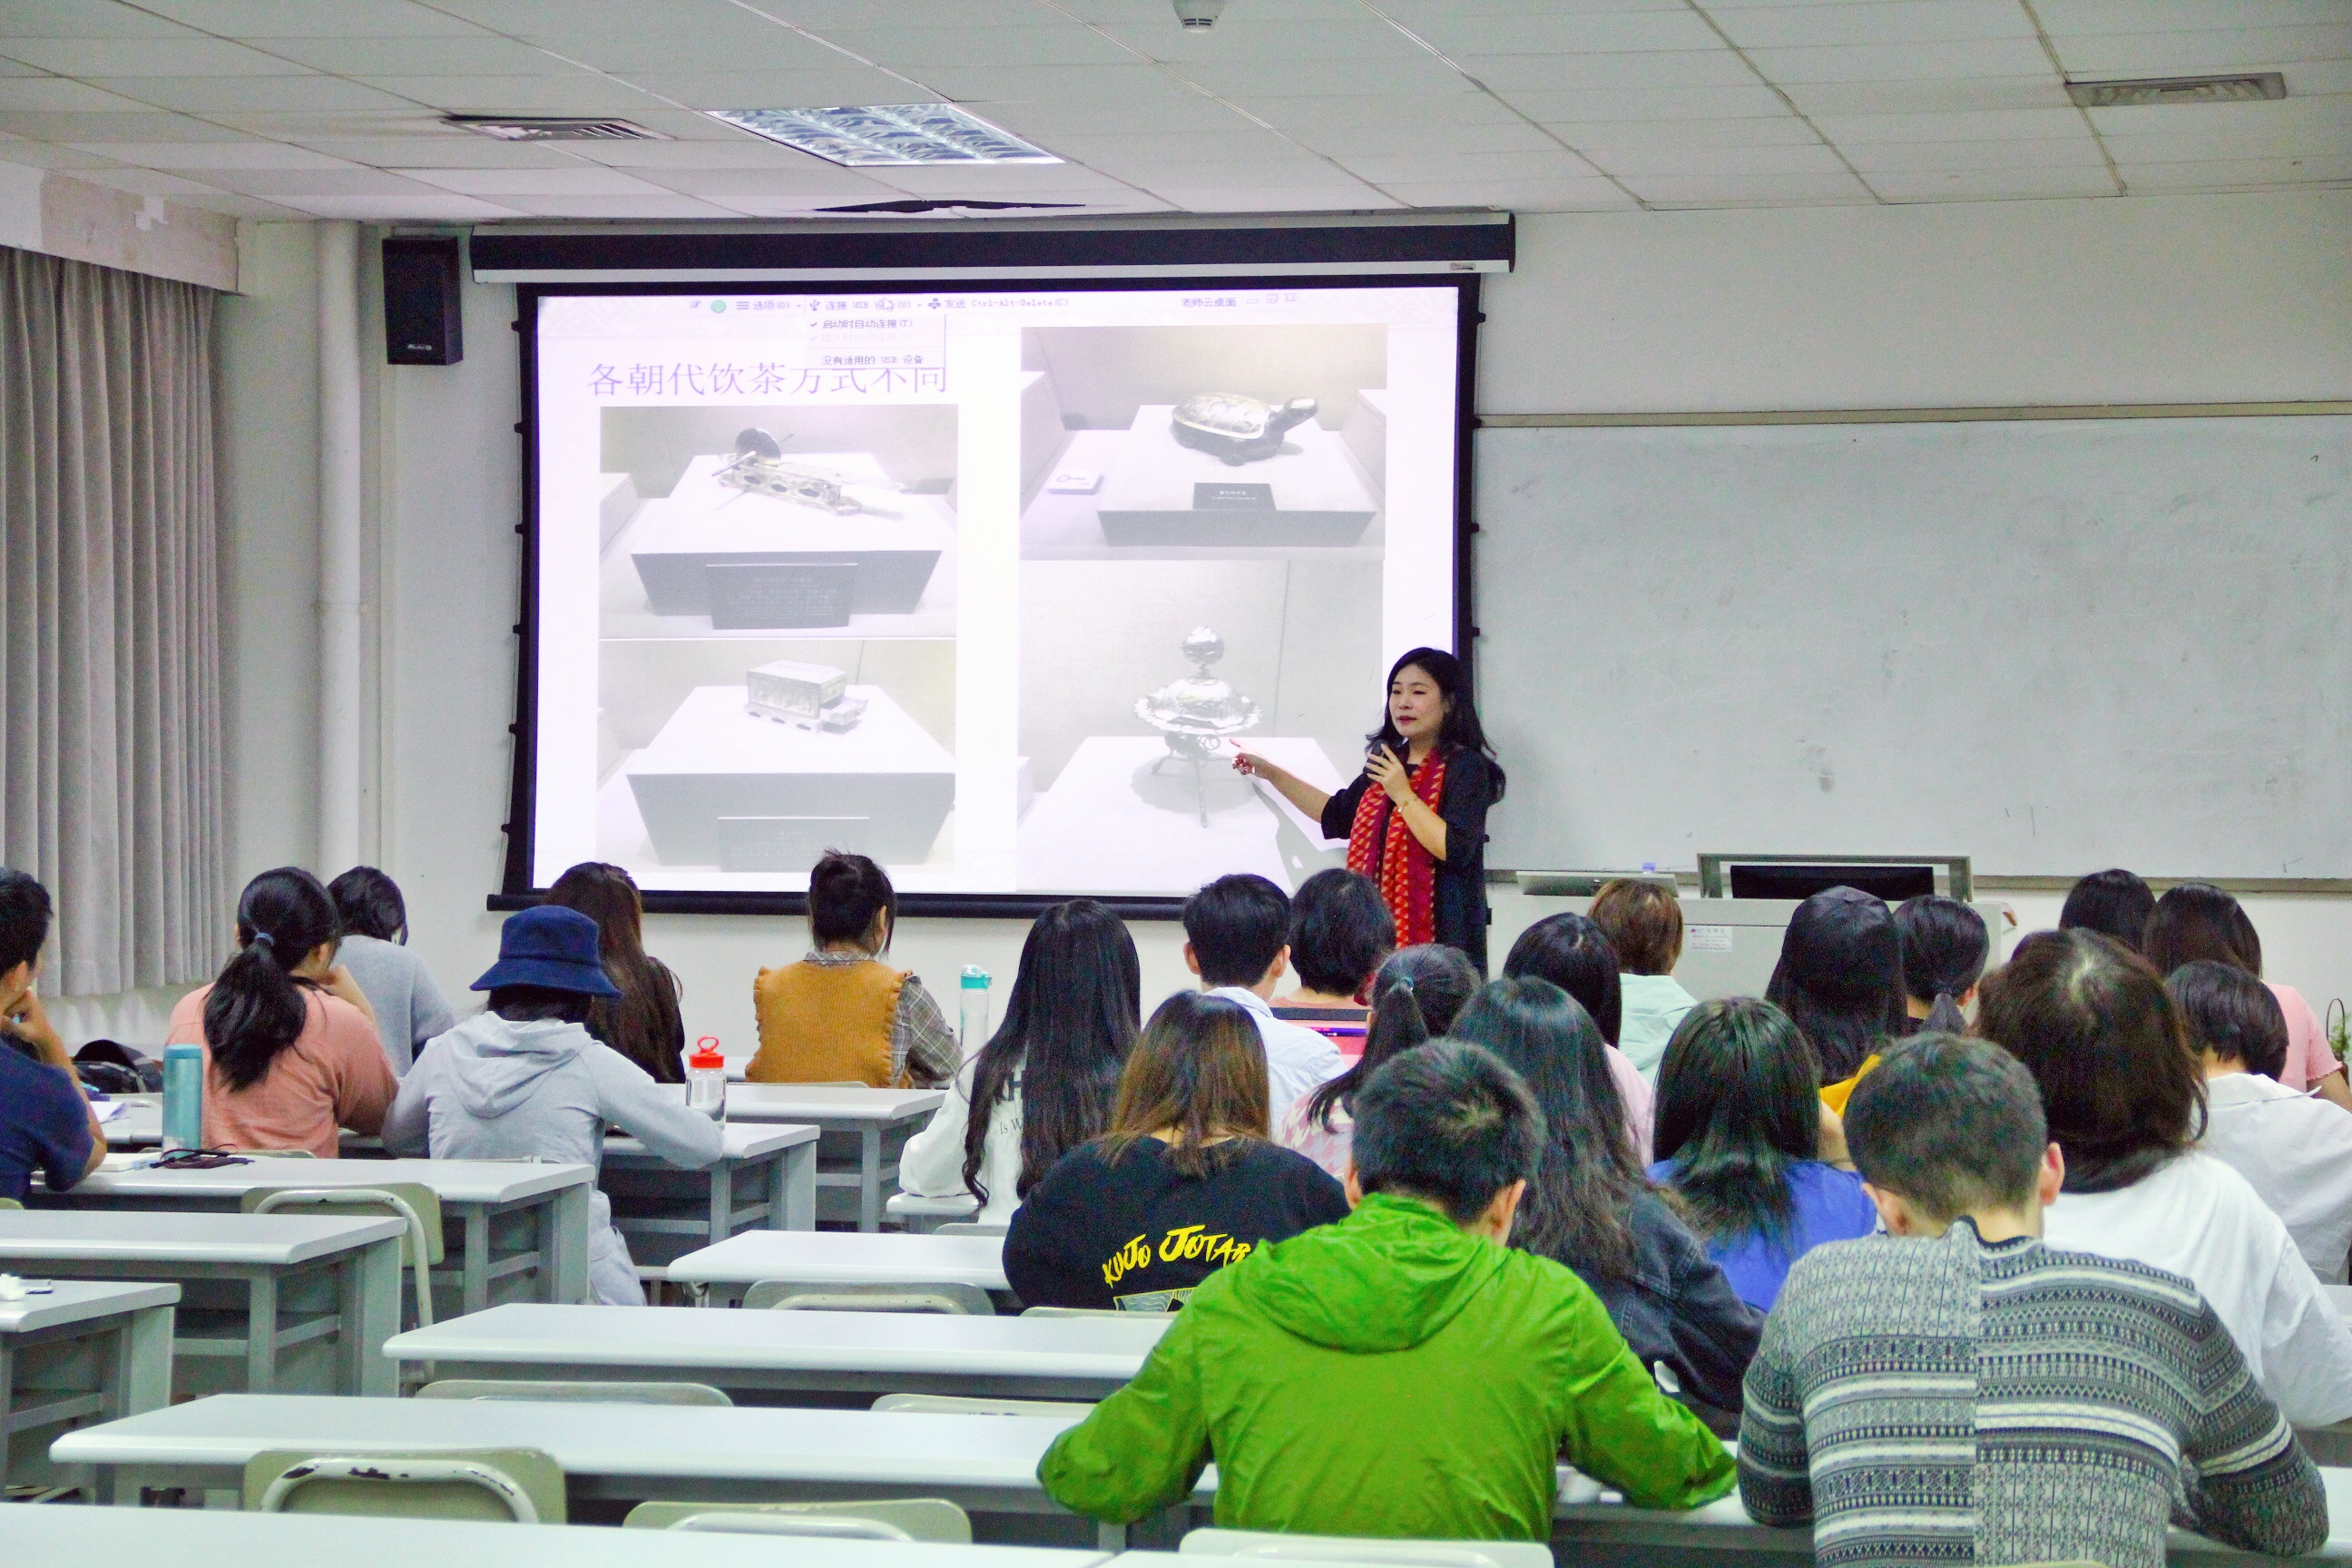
<point>1183,1183</point>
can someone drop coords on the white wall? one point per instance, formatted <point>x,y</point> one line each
<point>2193,299</point>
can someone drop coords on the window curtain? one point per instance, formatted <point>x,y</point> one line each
<point>111,785</point>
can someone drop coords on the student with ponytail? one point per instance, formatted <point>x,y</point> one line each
<point>289,1040</point>
<point>1944,946</point>
<point>1415,995</point>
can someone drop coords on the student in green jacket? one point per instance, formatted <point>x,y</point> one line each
<point>1400,1372</point>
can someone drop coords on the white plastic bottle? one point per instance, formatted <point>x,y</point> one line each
<point>705,1079</point>
<point>973,1026</point>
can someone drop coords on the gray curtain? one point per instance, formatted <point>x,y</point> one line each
<point>110,769</point>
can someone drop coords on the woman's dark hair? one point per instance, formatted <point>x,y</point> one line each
<point>1840,979</point>
<point>643,1021</point>
<point>1461,726</point>
<point>1577,1204</point>
<point>369,903</point>
<point>256,1007</point>
<point>2230,1013</point>
<point>2114,902</point>
<point>1575,954</point>
<point>1340,931</point>
<point>1200,1067</point>
<point>1068,1024</point>
<point>534,1003</point>
<point>1738,1106</point>
<point>2198,921</point>
<point>1944,945</point>
<point>2092,1021</point>
<point>845,893</point>
<point>1415,996</point>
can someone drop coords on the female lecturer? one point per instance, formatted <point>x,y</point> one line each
<point>1415,819</point>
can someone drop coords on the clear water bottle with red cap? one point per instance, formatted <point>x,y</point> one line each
<point>705,1078</point>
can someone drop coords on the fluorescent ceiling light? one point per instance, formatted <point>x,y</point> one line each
<point>2252,88</point>
<point>862,136</point>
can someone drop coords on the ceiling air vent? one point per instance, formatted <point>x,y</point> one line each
<point>2249,88</point>
<point>541,128</point>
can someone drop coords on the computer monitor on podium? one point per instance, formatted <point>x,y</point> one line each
<point>1894,878</point>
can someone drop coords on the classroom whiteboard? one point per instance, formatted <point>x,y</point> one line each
<point>2052,645</point>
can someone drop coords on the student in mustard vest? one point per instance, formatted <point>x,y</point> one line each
<point>841,1015</point>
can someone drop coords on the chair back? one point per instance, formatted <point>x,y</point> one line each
<point>907,1519</point>
<point>1360,1550</point>
<point>10,1204</point>
<point>414,1201</point>
<point>555,1392</point>
<point>954,1404</point>
<point>797,1296</point>
<point>523,1486</point>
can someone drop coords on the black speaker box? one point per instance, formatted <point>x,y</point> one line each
<point>421,317</point>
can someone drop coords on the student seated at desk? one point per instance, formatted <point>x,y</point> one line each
<point>46,1121</point>
<point>1045,1081</point>
<point>1960,1390</point>
<point>2126,1101</point>
<point>290,1045</point>
<point>1183,1183</point>
<point>1644,923</point>
<point>841,1015</point>
<point>1839,980</point>
<point>1340,930</point>
<point>2115,903</point>
<point>2197,920</point>
<point>1401,1372</point>
<point>409,1007</point>
<point>1945,946</point>
<point>1237,939</point>
<point>525,1078</point>
<point>1574,953</point>
<point>1417,993</point>
<point>643,1021</point>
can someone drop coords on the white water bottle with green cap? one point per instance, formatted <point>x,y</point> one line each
<point>973,1031</point>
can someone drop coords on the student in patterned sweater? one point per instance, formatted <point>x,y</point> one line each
<point>1955,1392</point>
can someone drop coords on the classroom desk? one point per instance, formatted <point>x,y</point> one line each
<point>765,1181</point>
<point>864,1131</point>
<point>511,1226</point>
<point>195,1538</point>
<point>82,1349</point>
<point>833,1257</point>
<point>763,1353</point>
<point>269,1302</point>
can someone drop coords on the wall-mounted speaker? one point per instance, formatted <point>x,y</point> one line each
<point>421,317</point>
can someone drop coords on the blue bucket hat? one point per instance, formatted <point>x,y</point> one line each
<point>548,946</point>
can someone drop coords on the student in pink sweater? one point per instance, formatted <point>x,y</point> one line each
<point>291,1046</point>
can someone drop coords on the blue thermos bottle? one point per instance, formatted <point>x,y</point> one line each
<point>184,1096</point>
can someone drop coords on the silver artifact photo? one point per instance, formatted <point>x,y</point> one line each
<point>811,695</point>
<point>1236,428</point>
<point>1195,712</point>
<point>760,468</point>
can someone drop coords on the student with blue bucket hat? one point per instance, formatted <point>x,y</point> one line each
<point>525,1078</point>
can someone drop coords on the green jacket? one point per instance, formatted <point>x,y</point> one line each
<point>1386,1375</point>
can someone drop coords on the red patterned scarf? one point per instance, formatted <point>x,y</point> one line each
<point>1380,846</point>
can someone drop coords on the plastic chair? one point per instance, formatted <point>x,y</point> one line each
<point>521,1485</point>
<point>1090,1312</point>
<point>1260,1543</point>
<point>10,1204</point>
<point>797,1296</point>
<point>414,1201</point>
<point>953,1405</point>
<point>919,1215</point>
<point>910,1519</point>
<point>696,1394</point>
<point>970,1228</point>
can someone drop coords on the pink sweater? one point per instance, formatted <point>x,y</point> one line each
<point>332,1076</point>
<point>2308,1059</point>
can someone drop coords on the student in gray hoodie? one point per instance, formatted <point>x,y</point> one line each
<point>525,1078</point>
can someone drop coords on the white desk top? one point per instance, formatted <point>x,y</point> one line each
<point>826,1107</point>
<point>744,1140</point>
<point>166,1236</point>
<point>453,1181</point>
<point>195,1538</point>
<point>847,1258</point>
<point>79,1300</point>
<point>789,1341</point>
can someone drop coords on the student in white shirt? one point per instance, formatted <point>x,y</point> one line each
<point>2126,1101</point>
<point>1643,922</point>
<point>1237,939</point>
<point>1046,1080</point>
<point>2296,1149</point>
<point>2196,921</point>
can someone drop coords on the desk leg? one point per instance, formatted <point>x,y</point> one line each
<point>1109,1537</point>
<point>564,1244</point>
<point>372,1318</point>
<point>474,1279</point>
<point>141,1378</point>
<point>722,1201</point>
<point>869,1178</point>
<point>8,1404</point>
<point>794,1199</point>
<point>261,1333</point>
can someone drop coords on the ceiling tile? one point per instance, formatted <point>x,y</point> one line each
<point>2061,17</point>
<point>309,18</point>
<point>1485,168</point>
<point>1416,74</point>
<point>78,128</point>
<point>2014,124</point>
<point>1592,195</point>
<point>720,157</point>
<point>1033,84</point>
<point>1903,62</point>
<point>1005,180</point>
<point>146,57</point>
<point>82,19</point>
<point>1932,157</point>
<point>57,93</point>
<point>828,16</point>
<point>664,206</point>
<point>431,206</point>
<point>192,155</point>
<point>536,17</point>
<point>316,182</point>
<point>1294,115</point>
<point>1568,33</point>
<point>581,92</point>
<point>686,125</point>
<point>1884,22</point>
<point>1993,186</point>
<point>477,54</point>
<point>144,182</point>
<point>446,151</point>
<point>1779,131</point>
<point>2234,130</point>
<point>1278,199</point>
<point>1964,95</point>
<point>731,187</point>
<point>47,155</point>
<point>1753,101</point>
<point>228,205</point>
<point>706,89</point>
<point>252,94</point>
<point>2237,174</point>
<point>1717,67</point>
<point>915,50</point>
<point>1752,189</point>
<point>2183,54</point>
<point>1633,163</point>
<point>1167,112</point>
<point>1252,37</point>
<point>580,180</point>
<point>1365,140</point>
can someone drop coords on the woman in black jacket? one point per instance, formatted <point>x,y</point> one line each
<point>1589,1207</point>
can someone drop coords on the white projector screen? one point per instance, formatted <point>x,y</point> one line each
<point>923,574</point>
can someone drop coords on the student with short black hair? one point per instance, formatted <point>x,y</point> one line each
<point>642,1021</point>
<point>2115,903</point>
<point>409,1007</point>
<point>1237,939</point>
<point>1400,1372</point>
<point>2295,1150</point>
<point>1340,933</point>
<point>2196,921</point>
<point>2090,1395</point>
<point>1945,947</point>
<point>1644,923</point>
<point>840,1014</point>
<point>46,1121</point>
<point>1184,1182</point>
<point>1417,994</point>
<point>2125,1101</point>
<point>291,1053</point>
<point>1573,952</point>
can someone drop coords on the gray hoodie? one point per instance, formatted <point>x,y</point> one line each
<point>491,1089</point>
